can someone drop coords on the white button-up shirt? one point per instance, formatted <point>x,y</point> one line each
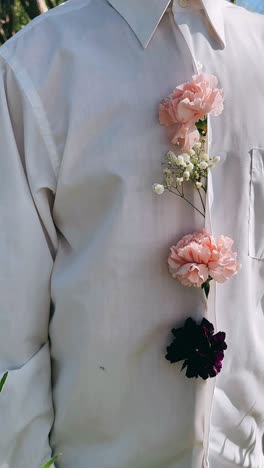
<point>87,303</point>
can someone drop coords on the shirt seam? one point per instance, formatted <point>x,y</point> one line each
<point>34,100</point>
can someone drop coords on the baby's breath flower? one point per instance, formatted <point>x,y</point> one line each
<point>213,161</point>
<point>179,180</point>
<point>197,145</point>
<point>180,161</point>
<point>171,157</point>
<point>186,175</point>
<point>167,172</point>
<point>186,157</point>
<point>198,184</point>
<point>158,188</point>
<point>203,165</point>
<point>191,152</point>
<point>204,157</point>
<point>189,167</point>
<point>169,180</point>
<point>216,159</point>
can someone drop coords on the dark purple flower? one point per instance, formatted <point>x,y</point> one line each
<point>201,350</point>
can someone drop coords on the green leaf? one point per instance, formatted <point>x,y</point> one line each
<point>3,380</point>
<point>201,126</point>
<point>206,287</point>
<point>51,461</point>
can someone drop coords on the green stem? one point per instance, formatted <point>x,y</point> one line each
<point>206,287</point>
<point>51,461</point>
<point>3,381</point>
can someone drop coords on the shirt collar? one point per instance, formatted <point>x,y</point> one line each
<point>143,16</point>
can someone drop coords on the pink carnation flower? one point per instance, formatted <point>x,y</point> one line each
<point>198,257</point>
<point>188,103</point>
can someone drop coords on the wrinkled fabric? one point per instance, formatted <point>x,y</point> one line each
<point>86,300</point>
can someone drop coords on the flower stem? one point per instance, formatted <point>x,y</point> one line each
<point>206,287</point>
<point>201,198</point>
<point>3,380</point>
<point>188,201</point>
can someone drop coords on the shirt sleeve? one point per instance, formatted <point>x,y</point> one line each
<point>28,244</point>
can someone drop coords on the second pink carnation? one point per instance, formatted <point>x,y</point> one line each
<point>199,257</point>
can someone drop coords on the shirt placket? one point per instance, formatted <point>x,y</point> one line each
<point>206,390</point>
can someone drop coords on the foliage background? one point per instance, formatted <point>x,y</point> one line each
<point>14,14</point>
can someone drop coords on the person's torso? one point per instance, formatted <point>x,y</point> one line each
<point>118,402</point>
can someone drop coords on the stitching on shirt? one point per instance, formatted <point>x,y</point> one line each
<point>38,110</point>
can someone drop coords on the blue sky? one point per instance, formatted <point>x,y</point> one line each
<point>256,5</point>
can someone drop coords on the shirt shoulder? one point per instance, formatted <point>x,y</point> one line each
<point>31,60</point>
<point>53,40</point>
<point>46,30</point>
<point>49,56</point>
<point>64,28</point>
<point>239,17</point>
<point>244,31</point>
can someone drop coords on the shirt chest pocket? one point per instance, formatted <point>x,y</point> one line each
<point>256,205</point>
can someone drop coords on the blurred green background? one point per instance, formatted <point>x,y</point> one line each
<point>14,14</point>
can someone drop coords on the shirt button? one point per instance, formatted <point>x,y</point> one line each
<point>183,3</point>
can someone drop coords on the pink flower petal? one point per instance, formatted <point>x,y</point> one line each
<point>198,255</point>
<point>187,104</point>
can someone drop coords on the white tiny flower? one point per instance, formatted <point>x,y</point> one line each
<point>180,161</point>
<point>189,167</point>
<point>167,171</point>
<point>216,159</point>
<point>204,157</point>
<point>171,157</point>
<point>158,188</point>
<point>203,165</point>
<point>179,180</point>
<point>191,152</point>
<point>186,175</point>
<point>198,184</point>
<point>186,157</point>
<point>169,180</point>
<point>197,145</point>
